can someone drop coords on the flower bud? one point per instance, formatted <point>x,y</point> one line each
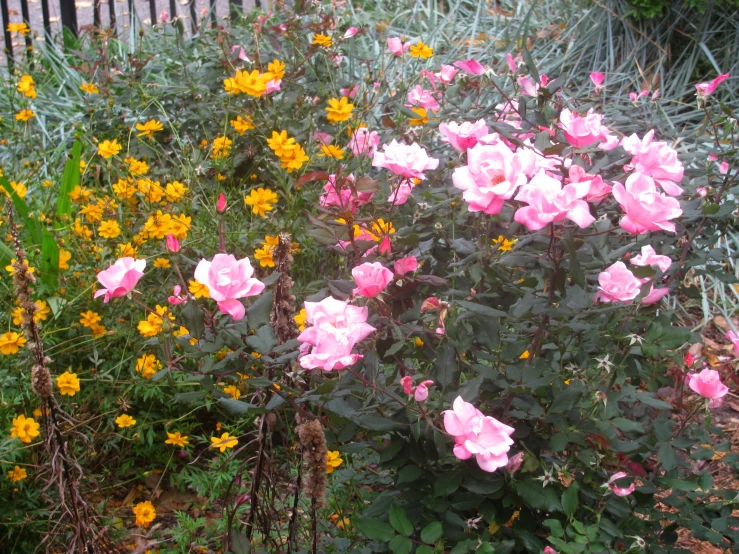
<point>221,204</point>
<point>172,244</point>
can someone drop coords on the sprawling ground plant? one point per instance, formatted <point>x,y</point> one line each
<point>307,284</point>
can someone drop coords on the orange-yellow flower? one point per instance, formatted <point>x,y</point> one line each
<point>225,441</point>
<point>261,201</point>
<point>108,148</point>
<point>322,40</point>
<point>24,428</point>
<point>420,50</point>
<point>339,109</point>
<point>145,513</point>
<point>177,439</point>
<point>68,384</point>
<point>11,343</point>
<point>125,420</point>
<point>17,474</point>
<point>149,128</point>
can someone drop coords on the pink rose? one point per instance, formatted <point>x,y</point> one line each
<point>723,167</point>
<point>364,142</point>
<point>418,96</point>
<point>241,52</point>
<point>273,86</point>
<point>655,159</point>
<point>336,327</point>
<point>322,138</point>
<point>221,203</point>
<point>529,88</point>
<point>349,92</point>
<point>164,17</point>
<point>406,265</point>
<point>491,176</point>
<point>228,279</point>
<point>407,384</point>
<point>549,202</point>
<point>649,257</point>
<point>120,278</point>
<point>172,244</point>
<point>350,32</point>
<point>732,336</point>
<point>463,136</point>
<point>655,295</point>
<point>176,299</point>
<point>549,550</point>
<point>385,247</point>
<point>446,73</point>
<point>646,208</point>
<point>706,89</point>
<point>472,67</point>
<point>514,463</point>
<point>597,79</point>
<point>511,62</point>
<point>708,384</point>
<point>371,279</point>
<point>405,160</point>
<point>620,491</point>
<point>343,197</point>
<point>397,46</point>
<point>617,284</point>
<point>401,193</point>
<point>598,189</point>
<point>478,435</point>
<point>422,391</point>
<point>581,132</point>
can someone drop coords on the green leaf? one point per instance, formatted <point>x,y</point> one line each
<point>401,545</point>
<point>70,179</point>
<point>575,270</point>
<point>235,407</point>
<point>447,483</point>
<point>374,529</point>
<point>194,319</point>
<point>480,309</point>
<point>667,456</point>
<point>190,397</point>
<point>555,527</point>
<point>49,259</point>
<point>400,521</point>
<point>570,499</point>
<point>408,474</point>
<point>258,313</point>
<point>445,367</point>
<point>432,532</point>
<point>239,543</point>
<point>539,497</point>
<point>6,254</point>
<point>564,401</point>
<point>423,549</point>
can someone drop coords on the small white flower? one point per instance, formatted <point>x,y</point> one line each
<point>633,338</point>
<point>605,363</point>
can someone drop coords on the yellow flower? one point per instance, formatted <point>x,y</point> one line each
<point>281,144</point>
<point>136,167</point>
<point>79,194</point>
<point>17,474</point>
<point>46,184</point>
<point>124,189</point>
<point>24,115</point>
<point>82,230</point>
<point>504,244</point>
<point>162,263</point>
<point>10,269</point>
<point>89,88</point>
<point>126,250</point>
<point>98,331</point>
<point>418,342</point>
<point>108,149</point>
<point>525,355</point>
<point>177,439</point>
<point>64,257</point>
<point>68,383</point>
<point>242,125</point>
<point>261,201</point>
<point>294,160</point>
<point>232,390</point>
<point>225,441</point>
<point>145,513</point>
<point>264,257</point>
<point>151,190</point>
<point>11,343</point>
<point>276,69</point>
<point>221,147</point>
<point>93,212</point>
<point>147,365</point>
<point>422,118</point>
<point>338,109</point>
<point>252,83</point>
<point>17,315</point>
<point>24,428</point>
<point>180,225</point>
<point>333,461</point>
<point>381,228</point>
<point>174,191</point>
<point>300,318</point>
<point>149,128</point>
<point>198,289</point>
<point>154,322</point>
<point>420,50</point>
<point>322,40</point>
<point>109,229</point>
<point>124,420</point>
<point>42,311</point>
<point>340,522</point>
<point>331,151</point>
<point>26,86</point>
<point>20,28</point>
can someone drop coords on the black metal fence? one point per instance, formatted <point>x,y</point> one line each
<point>113,20</point>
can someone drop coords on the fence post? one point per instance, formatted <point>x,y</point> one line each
<point>69,15</point>
<point>236,8</point>
<point>47,18</point>
<point>27,21</point>
<point>111,14</point>
<point>153,11</point>
<point>8,38</point>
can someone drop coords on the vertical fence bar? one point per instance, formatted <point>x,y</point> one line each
<point>111,14</point>
<point>96,14</point>
<point>153,11</point>
<point>236,8</point>
<point>172,9</point>
<point>131,21</point>
<point>69,15</point>
<point>193,18</point>
<point>27,21</point>
<point>8,38</point>
<point>47,18</point>
<point>213,19</point>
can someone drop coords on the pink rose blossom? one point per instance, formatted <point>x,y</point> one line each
<point>336,327</point>
<point>598,189</point>
<point>343,197</point>
<point>350,32</point>
<point>597,79</point>
<point>406,265</point>
<point>164,16</point>
<point>418,96</point>
<point>228,280</point>
<point>446,73</point>
<point>617,284</point>
<point>723,167</point>
<point>350,92</point>
<point>549,202</point>
<point>549,550</point>
<point>472,67</point>
<point>463,136</point>
<point>385,247</point>
<point>702,191</point>
<point>655,295</point>
<point>120,278</point>
<point>401,193</point>
<point>273,86</point>
<point>397,46</point>
<point>405,160</point>
<point>478,435</point>
<point>620,491</point>
<point>242,53</point>
<point>176,299</point>
<point>655,159</point>
<point>706,89</point>
<point>422,392</point>
<point>646,208</point>
<point>529,88</point>
<point>732,336</point>
<point>221,203</point>
<point>407,384</point>
<point>172,243</point>
<point>491,176</point>
<point>514,463</point>
<point>511,62</point>
<point>581,132</point>
<point>364,142</point>
<point>708,384</point>
<point>371,279</point>
<point>649,257</point>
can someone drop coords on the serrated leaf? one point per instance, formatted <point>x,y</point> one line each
<point>374,529</point>
<point>400,521</point>
<point>539,497</point>
<point>570,499</point>
<point>432,532</point>
<point>447,483</point>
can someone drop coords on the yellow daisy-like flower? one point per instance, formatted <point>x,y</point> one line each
<point>174,191</point>
<point>136,167</point>
<point>27,86</point>
<point>11,343</point>
<point>98,331</point>
<point>198,289</point>
<point>331,151</point>
<point>300,319</point>
<point>20,28</point>
<point>93,212</point>
<point>68,384</point>
<point>233,391</point>
<point>264,257</point>
<point>221,147</point>
<point>10,269</point>
<point>294,160</point>
<point>125,420</point>
<point>42,311</point>
<point>109,229</point>
<point>418,342</point>
<point>420,50</point>
<point>322,40</point>
<point>381,228</point>
<point>147,365</point>
<point>504,245</point>
<point>109,148</point>
<point>17,474</point>
<point>145,513</point>
<point>242,125</point>
<point>149,128</point>
<point>223,442</point>
<point>25,428</point>
<point>252,83</point>
<point>333,460</point>
<point>281,144</point>
<point>126,250</point>
<point>276,69</point>
<point>89,88</point>
<point>525,355</point>
<point>261,201</point>
<point>64,257</point>
<point>24,115</point>
<point>162,263</point>
<point>338,109</point>
<point>422,118</point>
<point>177,439</point>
